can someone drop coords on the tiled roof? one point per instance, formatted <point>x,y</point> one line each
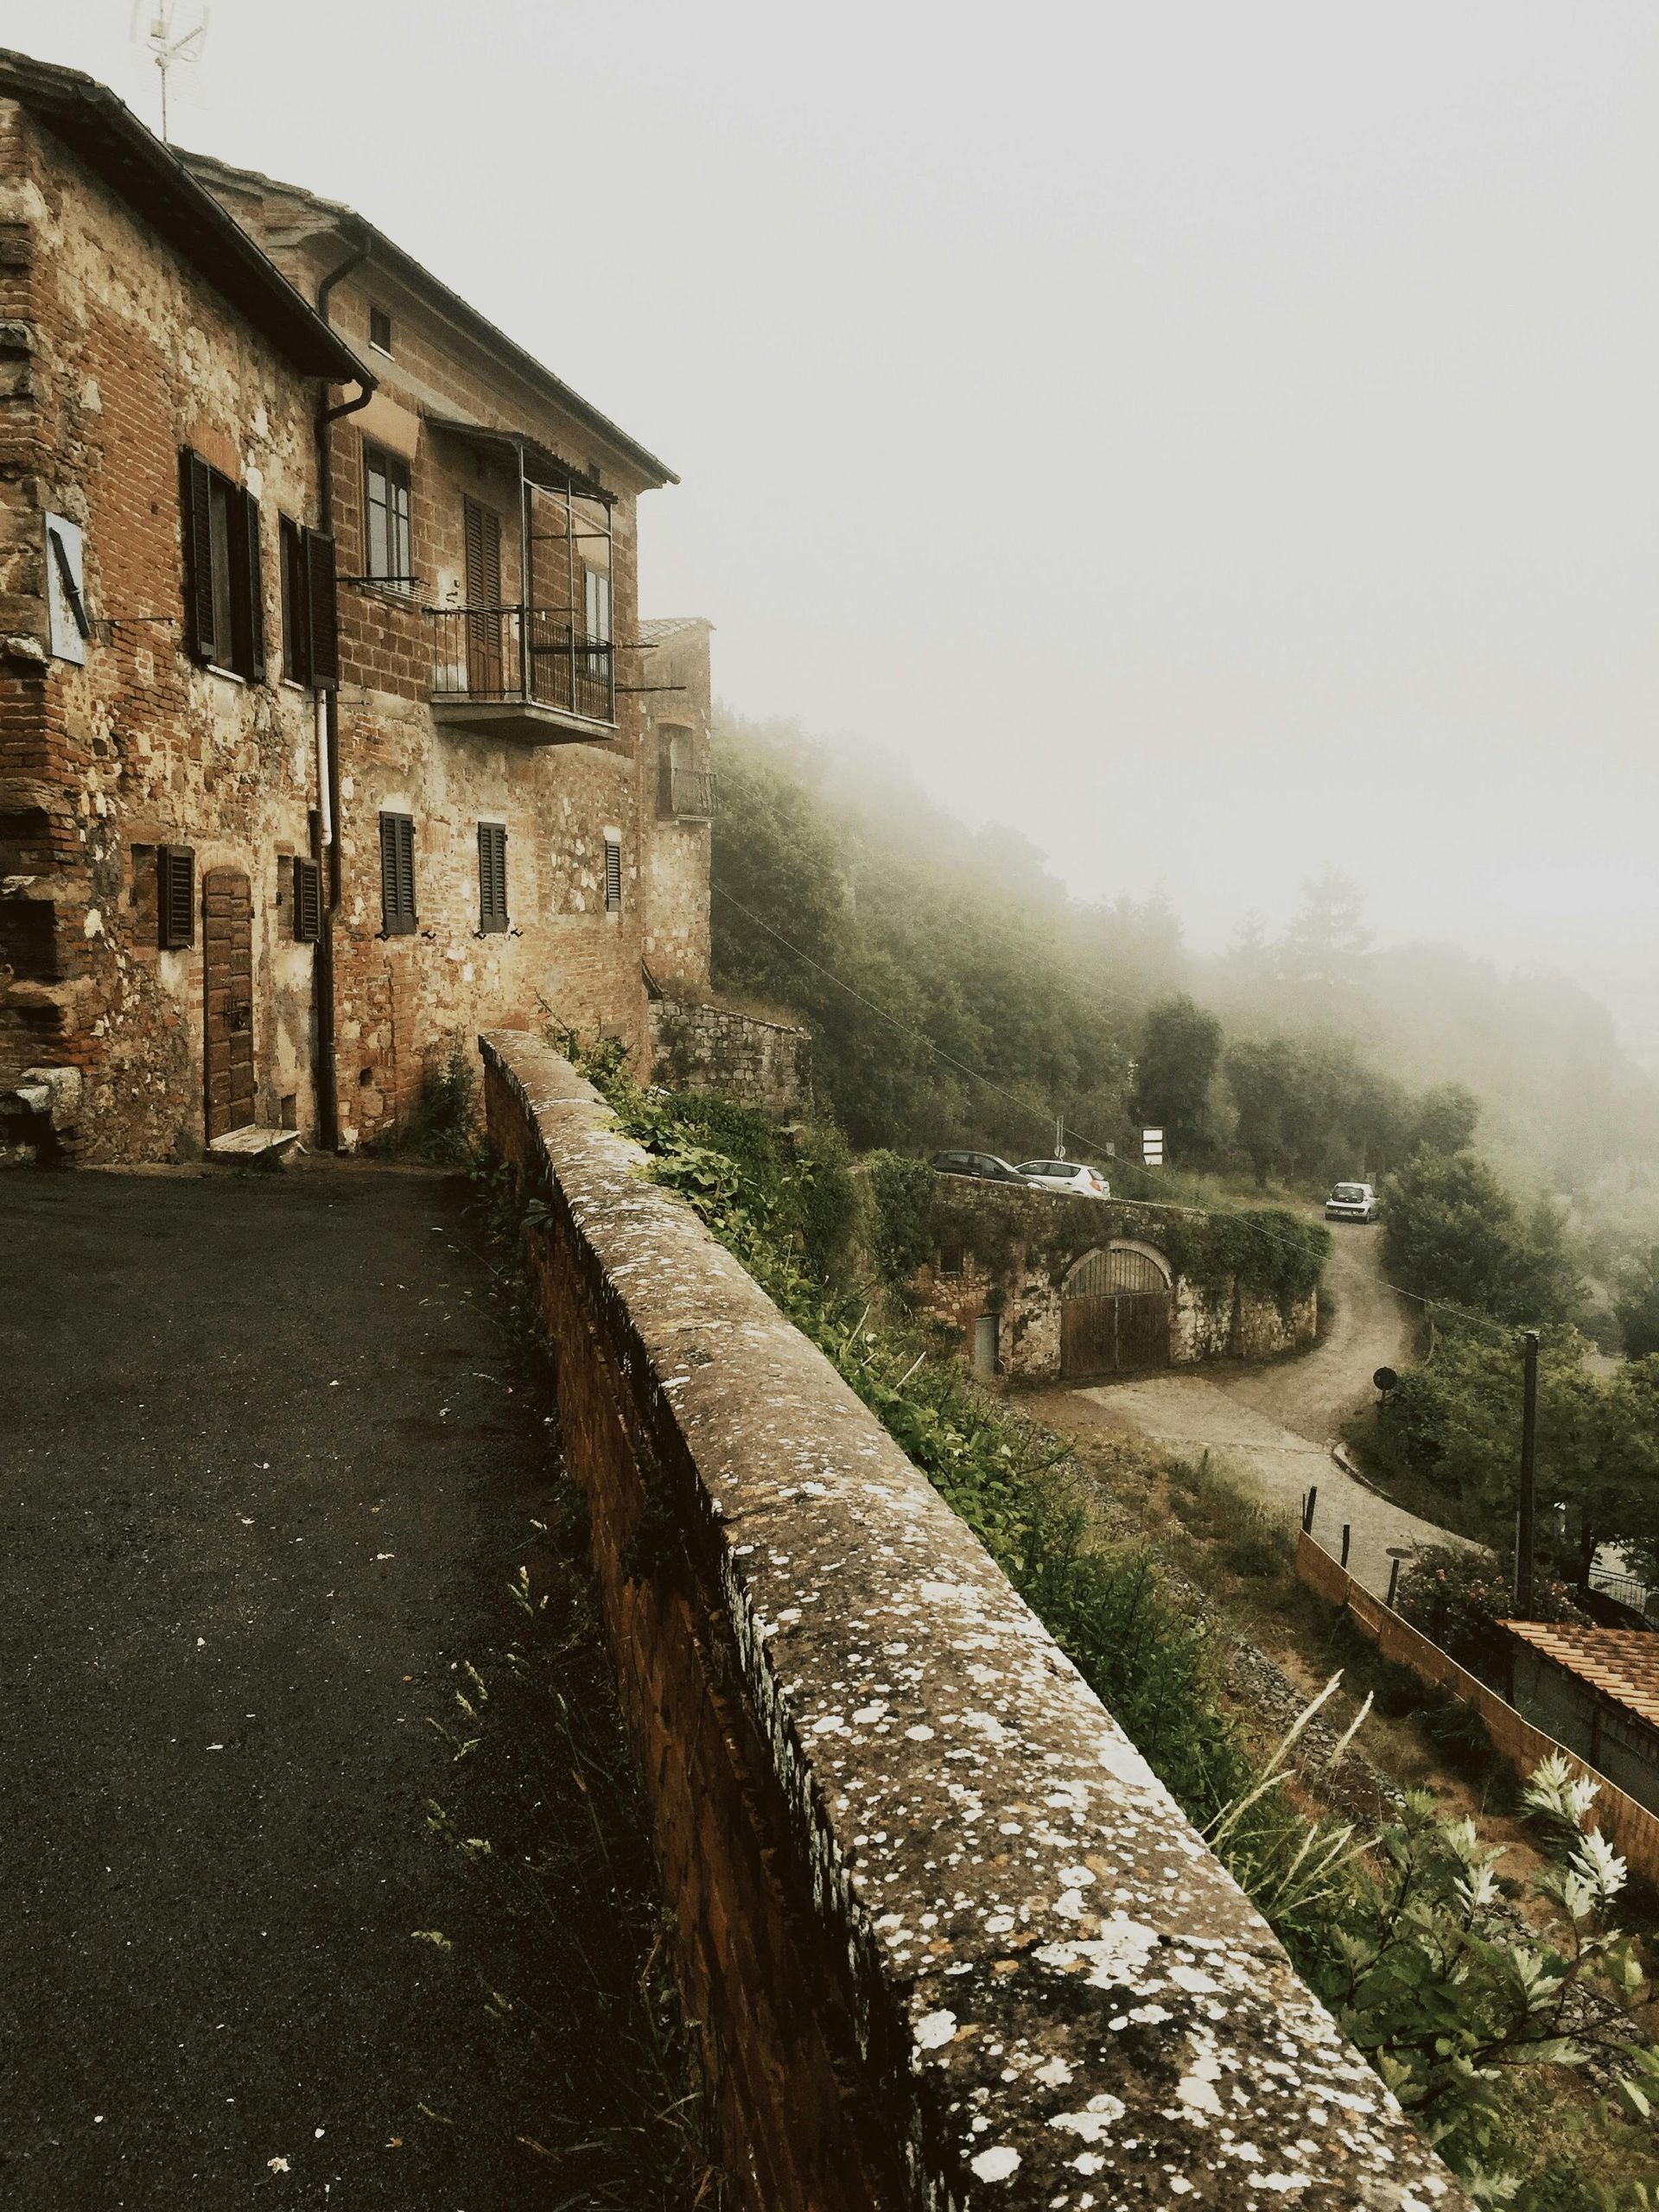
<point>1622,1663</point>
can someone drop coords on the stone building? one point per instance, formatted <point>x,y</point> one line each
<point>1043,1287</point>
<point>325,734</point>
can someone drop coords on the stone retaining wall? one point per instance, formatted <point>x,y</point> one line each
<point>760,1064</point>
<point>1004,1251</point>
<point>951,1942</point>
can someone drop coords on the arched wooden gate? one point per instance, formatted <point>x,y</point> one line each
<point>1113,1313</point>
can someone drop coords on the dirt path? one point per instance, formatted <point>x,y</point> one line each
<point>1272,1427</point>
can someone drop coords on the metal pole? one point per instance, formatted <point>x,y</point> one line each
<point>1308,1504</point>
<point>1347,1531</point>
<point>1393,1582</point>
<point>1524,1518</point>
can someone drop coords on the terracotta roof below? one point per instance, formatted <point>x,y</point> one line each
<point>1622,1663</point>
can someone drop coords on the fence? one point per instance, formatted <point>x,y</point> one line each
<point>1630,1827</point>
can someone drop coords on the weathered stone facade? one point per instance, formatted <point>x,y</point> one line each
<point>1004,1259</point>
<point>680,785</point>
<point>699,1046</point>
<point>486,694</point>
<point>120,353</point>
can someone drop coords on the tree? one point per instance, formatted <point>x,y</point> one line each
<point>1179,1048</point>
<point>1325,941</point>
<point>1637,1306</point>
<point>1445,1119</point>
<point>1452,1232</point>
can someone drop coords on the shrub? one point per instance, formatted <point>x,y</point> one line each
<point>1457,1597</point>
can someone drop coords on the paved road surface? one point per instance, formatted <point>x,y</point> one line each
<point>257,1494</point>
<point>1273,1426</point>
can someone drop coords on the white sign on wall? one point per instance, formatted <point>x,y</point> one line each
<point>1151,1147</point>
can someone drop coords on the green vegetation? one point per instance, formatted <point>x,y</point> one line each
<point>1404,1937</point>
<point>1450,1430</point>
<point>1452,1232</point>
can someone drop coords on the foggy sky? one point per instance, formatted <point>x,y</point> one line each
<point>1215,441</point>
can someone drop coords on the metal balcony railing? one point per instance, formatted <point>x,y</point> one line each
<point>686,794</point>
<point>524,655</point>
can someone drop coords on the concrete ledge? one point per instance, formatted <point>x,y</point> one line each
<point>951,1942</point>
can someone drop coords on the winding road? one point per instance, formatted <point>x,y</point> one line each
<point>1273,1426</point>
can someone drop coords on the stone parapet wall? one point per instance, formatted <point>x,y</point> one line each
<point>760,1064</point>
<point>950,1942</point>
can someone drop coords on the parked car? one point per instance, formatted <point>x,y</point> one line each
<point>1351,1202</point>
<point>985,1165</point>
<point>1073,1175</point>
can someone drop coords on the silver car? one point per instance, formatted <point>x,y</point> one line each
<point>1074,1176</point>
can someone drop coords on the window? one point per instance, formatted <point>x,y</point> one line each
<point>380,329</point>
<point>397,874</point>
<point>311,611</point>
<point>597,617</point>
<point>175,897</point>
<point>224,594</point>
<point>308,901</point>
<point>386,506</point>
<point>612,875</point>
<point>493,878</point>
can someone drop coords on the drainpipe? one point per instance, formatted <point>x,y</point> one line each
<point>328,823</point>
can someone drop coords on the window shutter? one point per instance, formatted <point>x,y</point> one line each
<point>175,897</point>
<point>613,876</point>
<point>308,901</point>
<point>322,609</point>
<point>397,873</point>
<point>195,508</point>
<point>248,590</point>
<point>492,877</point>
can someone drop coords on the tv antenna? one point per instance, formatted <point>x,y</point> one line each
<point>168,44</point>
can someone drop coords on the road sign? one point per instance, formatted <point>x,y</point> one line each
<point>1151,1147</point>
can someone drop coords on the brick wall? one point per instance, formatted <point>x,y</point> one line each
<point>949,1942</point>
<point>124,356</point>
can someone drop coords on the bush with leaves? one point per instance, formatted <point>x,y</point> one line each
<point>1457,1597</point>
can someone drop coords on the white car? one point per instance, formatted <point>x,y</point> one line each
<point>1351,1202</point>
<point>1072,1175</point>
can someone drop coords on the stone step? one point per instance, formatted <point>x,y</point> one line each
<point>253,1142</point>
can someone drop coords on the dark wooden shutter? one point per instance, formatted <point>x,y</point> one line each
<point>196,512</point>
<point>322,607</point>
<point>483,556</point>
<point>308,901</point>
<point>175,897</point>
<point>613,876</point>
<point>492,877</point>
<point>397,873</point>
<point>247,590</point>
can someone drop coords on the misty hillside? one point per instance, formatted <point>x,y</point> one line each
<point>927,953</point>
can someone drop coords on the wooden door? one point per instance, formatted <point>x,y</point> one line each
<point>1114,1315</point>
<point>227,956</point>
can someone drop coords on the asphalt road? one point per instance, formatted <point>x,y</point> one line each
<point>1272,1425</point>
<point>261,1485</point>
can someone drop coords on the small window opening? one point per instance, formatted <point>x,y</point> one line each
<point>612,875</point>
<point>380,329</point>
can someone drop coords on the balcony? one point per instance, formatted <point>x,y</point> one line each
<point>686,794</point>
<point>522,672</point>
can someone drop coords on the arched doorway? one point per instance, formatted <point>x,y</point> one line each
<point>1115,1312</point>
